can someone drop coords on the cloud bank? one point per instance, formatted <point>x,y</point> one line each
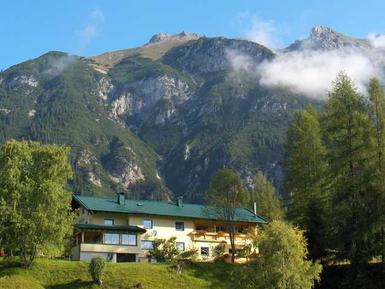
<point>312,72</point>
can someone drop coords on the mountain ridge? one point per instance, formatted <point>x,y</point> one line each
<point>155,121</point>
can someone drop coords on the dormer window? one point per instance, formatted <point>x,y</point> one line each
<point>109,222</point>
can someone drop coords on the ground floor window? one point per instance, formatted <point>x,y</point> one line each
<point>205,251</point>
<point>110,238</point>
<point>128,239</point>
<point>180,246</point>
<point>147,245</point>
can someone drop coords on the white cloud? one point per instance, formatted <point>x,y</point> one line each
<point>97,15</point>
<point>239,61</point>
<point>377,40</point>
<point>91,29</point>
<point>257,30</point>
<point>312,72</point>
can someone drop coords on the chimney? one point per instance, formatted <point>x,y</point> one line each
<point>180,201</point>
<point>121,198</point>
<point>255,208</point>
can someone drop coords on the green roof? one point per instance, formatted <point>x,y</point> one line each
<point>144,207</point>
<point>110,228</point>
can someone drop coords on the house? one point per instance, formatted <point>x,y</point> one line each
<point>123,230</point>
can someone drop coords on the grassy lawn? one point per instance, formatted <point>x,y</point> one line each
<point>60,274</point>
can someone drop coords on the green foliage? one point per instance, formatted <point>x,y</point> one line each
<point>219,251</point>
<point>268,203</point>
<point>377,114</point>
<point>348,134</point>
<point>35,206</point>
<point>164,250</point>
<point>96,269</point>
<point>306,180</point>
<point>282,263</point>
<point>224,196</point>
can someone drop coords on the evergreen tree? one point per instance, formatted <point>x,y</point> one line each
<point>377,114</point>
<point>306,170</point>
<point>268,204</point>
<point>348,138</point>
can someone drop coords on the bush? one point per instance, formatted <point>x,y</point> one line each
<point>164,250</point>
<point>219,251</point>
<point>96,269</point>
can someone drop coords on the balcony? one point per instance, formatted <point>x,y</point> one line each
<point>218,237</point>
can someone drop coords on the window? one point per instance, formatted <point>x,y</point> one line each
<point>180,246</point>
<point>147,223</point>
<point>179,226</point>
<point>128,239</point>
<point>205,251</point>
<point>110,238</point>
<point>146,245</point>
<point>108,222</point>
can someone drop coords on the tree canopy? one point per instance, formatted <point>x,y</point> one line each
<point>34,204</point>
<point>268,204</point>
<point>225,194</point>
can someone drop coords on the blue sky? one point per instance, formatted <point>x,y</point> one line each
<point>86,27</point>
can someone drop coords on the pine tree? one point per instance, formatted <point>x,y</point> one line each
<point>306,170</point>
<point>268,204</point>
<point>348,138</point>
<point>377,114</point>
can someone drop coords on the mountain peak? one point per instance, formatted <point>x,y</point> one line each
<point>183,36</point>
<point>325,38</point>
<point>321,31</point>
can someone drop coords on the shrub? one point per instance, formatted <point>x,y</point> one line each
<point>164,250</point>
<point>96,269</point>
<point>219,251</point>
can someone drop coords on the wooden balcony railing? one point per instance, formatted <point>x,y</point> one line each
<point>217,236</point>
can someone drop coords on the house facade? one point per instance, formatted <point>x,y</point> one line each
<point>122,230</point>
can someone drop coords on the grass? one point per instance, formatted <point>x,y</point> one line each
<point>60,274</point>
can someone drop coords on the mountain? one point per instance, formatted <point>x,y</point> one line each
<point>159,120</point>
<point>325,38</point>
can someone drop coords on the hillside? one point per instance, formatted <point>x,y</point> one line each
<point>157,121</point>
<point>55,274</point>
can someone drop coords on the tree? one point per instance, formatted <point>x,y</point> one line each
<point>282,263</point>
<point>224,196</point>
<point>348,137</point>
<point>306,183</point>
<point>164,250</point>
<point>377,115</point>
<point>34,204</point>
<point>267,202</point>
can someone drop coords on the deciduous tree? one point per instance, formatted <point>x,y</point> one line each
<point>282,263</point>
<point>34,204</point>
<point>224,196</point>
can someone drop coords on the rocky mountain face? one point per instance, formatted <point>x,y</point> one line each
<point>159,120</point>
<point>325,38</point>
